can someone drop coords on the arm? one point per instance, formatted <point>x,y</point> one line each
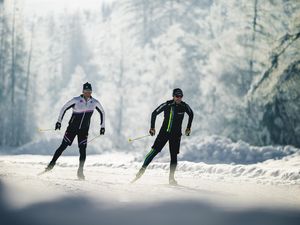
<point>100,109</point>
<point>157,111</point>
<point>189,111</point>
<point>67,106</point>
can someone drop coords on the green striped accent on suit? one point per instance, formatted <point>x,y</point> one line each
<point>152,149</point>
<point>170,119</point>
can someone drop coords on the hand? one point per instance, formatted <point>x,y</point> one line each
<point>187,131</point>
<point>152,131</point>
<point>57,126</point>
<point>102,131</point>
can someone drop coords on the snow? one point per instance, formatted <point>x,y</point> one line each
<point>211,191</point>
<point>212,156</point>
<point>134,53</point>
<point>216,149</point>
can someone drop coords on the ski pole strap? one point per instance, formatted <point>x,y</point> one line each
<point>137,138</point>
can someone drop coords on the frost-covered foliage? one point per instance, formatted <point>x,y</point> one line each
<point>134,52</point>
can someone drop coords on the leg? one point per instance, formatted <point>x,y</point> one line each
<point>82,157</point>
<point>82,151</point>
<point>82,143</point>
<point>159,143</point>
<point>173,166</point>
<point>58,152</point>
<point>149,157</point>
<point>174,145</point>
<point>67,140</point>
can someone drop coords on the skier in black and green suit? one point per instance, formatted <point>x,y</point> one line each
<point>170,131</point>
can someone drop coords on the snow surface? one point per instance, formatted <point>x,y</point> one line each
<point>221,182</point>
<point>211,156</point>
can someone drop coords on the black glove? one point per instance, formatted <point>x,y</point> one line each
<point>152,131</point>
<point>187,131</point>
<point>57,126</point>
<point>102,131</point>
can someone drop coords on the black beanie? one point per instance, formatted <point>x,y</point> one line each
<point>177,92</point>
<point>87,87</point>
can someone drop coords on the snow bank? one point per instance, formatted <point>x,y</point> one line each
<point>209,150</point>
<point>48,146</point>
<point>276,171</point>
<point>211,157</point>
<point>284,171</point>
<point>215,149</point>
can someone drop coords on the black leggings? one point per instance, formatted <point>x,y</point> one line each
<point>67,140</point>
<point>160,141</point>
<point>58,152</point>
<point>62,147</point>
<point>82,151</point>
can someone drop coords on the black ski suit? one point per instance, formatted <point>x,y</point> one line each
<point>170,129</point>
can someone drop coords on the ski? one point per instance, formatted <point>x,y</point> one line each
<point>134,180</point>
<point>43,172</point>
<point>138,175</point>
<point>46,170</point>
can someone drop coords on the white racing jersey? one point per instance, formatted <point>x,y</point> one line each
<point>82,112</point>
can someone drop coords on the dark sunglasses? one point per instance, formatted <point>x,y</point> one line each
<point>178,96</point>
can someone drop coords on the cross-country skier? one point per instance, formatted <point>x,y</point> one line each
<point>83,107</point>
<point>170,131</point>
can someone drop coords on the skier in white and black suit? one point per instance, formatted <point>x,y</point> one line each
<point>83,107</point>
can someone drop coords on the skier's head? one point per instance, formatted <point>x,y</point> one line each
<point>177,95</point>
<point>87,90</point>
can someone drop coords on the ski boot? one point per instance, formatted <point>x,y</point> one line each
<point>173,182</point>
<point>139,174</point>
<point>80,174</point>
<point>48,168</point>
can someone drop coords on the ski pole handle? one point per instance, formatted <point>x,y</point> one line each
<point>137,138</point>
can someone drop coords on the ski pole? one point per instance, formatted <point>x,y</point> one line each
<point>137,138</point>
<point>94,138</point>
<point>43,130</point>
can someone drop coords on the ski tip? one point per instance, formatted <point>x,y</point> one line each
<point>129,140</point>
<point>41,173</point>
<point>133,181</point>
